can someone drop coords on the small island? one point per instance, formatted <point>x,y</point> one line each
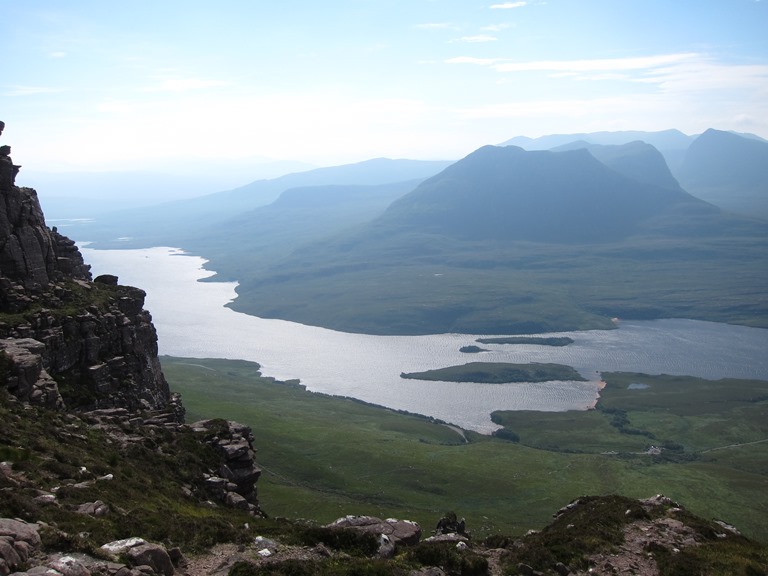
<point>472,349</point>
<point>498,373</point>
<point>542,341</point>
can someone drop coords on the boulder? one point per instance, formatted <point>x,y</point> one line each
<point>390,532</point>
<point>122,546</point>
<point>234,482</point>
<point>18,541</point>
<point>153,555</point>
<point>96,509</point>
<point>68,566</point>
<point>27,379</point>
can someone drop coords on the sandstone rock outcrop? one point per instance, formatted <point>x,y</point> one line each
<point>65,340</point>
<point>390,533</point>
<point>234,483</point>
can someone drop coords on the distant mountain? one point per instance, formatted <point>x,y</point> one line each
<point>671,143</point>
<point>87,194</point>
<point>728,170</point>
<point>663,140</point>
<point>511,241</point>
<point>241,245</point>
<point>637,160</point>
<point>173,221</point>
<point>507,193</point>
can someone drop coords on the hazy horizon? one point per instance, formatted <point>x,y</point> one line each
<point>94,86</point>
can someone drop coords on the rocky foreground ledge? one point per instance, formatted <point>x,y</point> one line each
<point>655,537</point>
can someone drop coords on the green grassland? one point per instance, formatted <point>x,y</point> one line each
<point>324,457</point>
<point>498,373</point>
<point>448,286</point>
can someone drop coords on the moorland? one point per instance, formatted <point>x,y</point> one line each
<point>702,442</point>
<point>709,439</point>
<point>505,241</point>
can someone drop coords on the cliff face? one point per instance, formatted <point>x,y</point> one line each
<point>66,340</point>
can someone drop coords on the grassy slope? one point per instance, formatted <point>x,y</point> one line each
<point>326,457</point>
<point>509,242</point>
<point>519,288</point>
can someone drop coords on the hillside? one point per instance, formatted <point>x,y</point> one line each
<point>299,216</point>
<point>509,241</point>
<point>637,160</point>
<point>671,143</point>
<point>728,170</point>
<point>176,223</point>
<point>507,194</point>
<point>100,476</point>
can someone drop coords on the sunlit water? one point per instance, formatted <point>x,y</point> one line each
<point>191,321</point>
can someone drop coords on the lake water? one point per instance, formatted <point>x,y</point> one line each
<point>192,321</point>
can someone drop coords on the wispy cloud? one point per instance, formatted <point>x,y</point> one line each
<point>58,54</point>
<point>30,90</point>
<point>681,72</point>
<point>184,85</point>
<point>495,27</point>
<point>435,26</point>
<point>596,65</point>
<point>471,60</point>
<point>479,38</point>
<point>508,5</point>
<point>648,69</point>
<point>691,91</point>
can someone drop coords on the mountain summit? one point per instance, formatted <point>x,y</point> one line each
<point>514,241</point>
<point>507,193</point>
<point>728,170</point>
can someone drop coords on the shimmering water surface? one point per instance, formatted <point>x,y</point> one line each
<point>191,321</point>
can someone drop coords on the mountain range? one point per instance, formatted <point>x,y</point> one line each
<point>509,241</point>
<point>100,474</point>
<point>505,240</point>
<point>729,171</point>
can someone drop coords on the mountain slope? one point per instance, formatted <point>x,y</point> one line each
<point>240,246</point>
<point>509,241</point>
<point>637,160</point>
<point>174,222</point>
<point>728,170</point>
<point>671,143</point>
<point>510,194</point>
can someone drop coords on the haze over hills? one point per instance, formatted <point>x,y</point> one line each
<point>299,216</point>
<point>638,160</point>
<point>173,221</point>
<point>503,241</point>
<point>671,143</point>
<point>510,194</point>
<point>507,241</point>
<point>79,194</point>
<point>728,170</point>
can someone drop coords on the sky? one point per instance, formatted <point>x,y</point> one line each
<point>107,85</point>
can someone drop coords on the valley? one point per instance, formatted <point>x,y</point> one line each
<point>503,241</point>
<point>405,465</point>
<point>623,328</point>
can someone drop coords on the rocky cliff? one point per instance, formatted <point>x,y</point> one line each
<point>89,429</point>
<point>67,340</point>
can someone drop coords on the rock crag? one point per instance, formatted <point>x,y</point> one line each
<point>66,340</point>
<point>81,381</point>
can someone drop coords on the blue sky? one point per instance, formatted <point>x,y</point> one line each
<point>100,84</point>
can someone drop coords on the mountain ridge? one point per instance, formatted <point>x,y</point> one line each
<point>522,219</point>
<point>95,459</point>
<point>728,170</point>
